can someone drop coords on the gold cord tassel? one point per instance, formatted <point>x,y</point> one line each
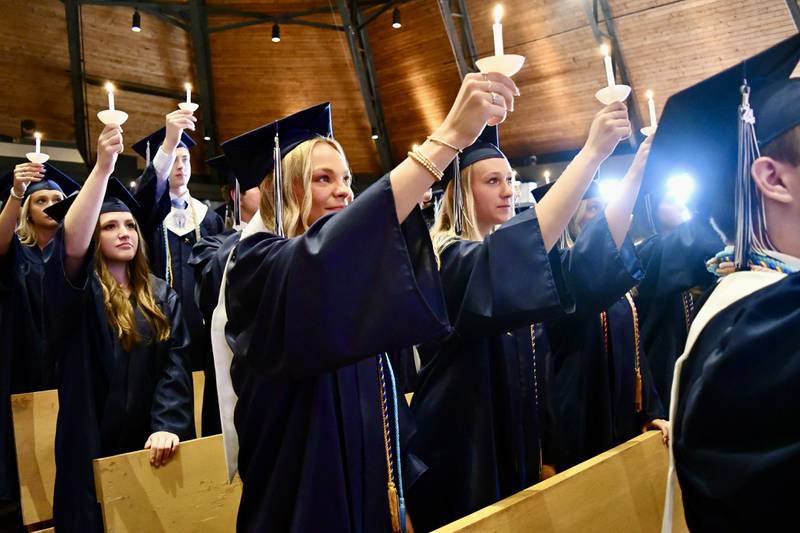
<point>638,394</point>
<point>394,507</point>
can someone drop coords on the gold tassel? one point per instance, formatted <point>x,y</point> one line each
<point>394,507</point>
<point>638,400</point>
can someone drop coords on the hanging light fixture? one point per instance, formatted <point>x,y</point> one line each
<point>374,134</point>
<point>396,24</point>
<point>276,33</point>
<point>136,23</point>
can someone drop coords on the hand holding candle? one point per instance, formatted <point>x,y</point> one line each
<point>188,105</point>
<point>497,30</point>
<point>611,92</point>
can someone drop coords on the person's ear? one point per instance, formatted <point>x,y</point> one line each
<point>769,176</point>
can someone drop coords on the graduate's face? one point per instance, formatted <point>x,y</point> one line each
<point>330,182</point>
<point>670,214</point>
<point>593,208</point>
<point>493,191</point>
<point>118,237</point>
<point>181,169</point>
<point>248,203</point>
<point>39,201</point>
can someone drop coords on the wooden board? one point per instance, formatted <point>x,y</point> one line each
<point>34,415</point>
<point>619,490</point>
<point>198,381</point>
<point>191,493</point>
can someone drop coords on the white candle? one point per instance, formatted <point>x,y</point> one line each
<point>651,105</point>
<point>38,137</point>
<point>110,89</point>
<point>188,87</point>
<point>609,66</point>
<point>497,30</point>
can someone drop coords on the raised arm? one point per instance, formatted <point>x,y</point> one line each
<point>555,210</point>
<point>81,218</point>
<point>619,210</point>
<point>471,111</point>
<point>24,175</point>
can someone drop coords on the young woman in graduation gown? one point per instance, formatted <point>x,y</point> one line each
<point>479,401</point>
<point>603,392</point>
<point>312,314</point>
<point>26,356</point>
<point>123,383</point>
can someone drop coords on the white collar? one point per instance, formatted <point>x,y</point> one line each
<point>185,196</point>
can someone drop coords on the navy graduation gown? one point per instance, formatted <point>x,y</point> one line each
<point>180,248</point>
<point>674,265</point>
<point>479,410</point>
<point>110,400</point>
<point>735,436</point>
<point>26,363</point>
<point>208,259</point>
<point>594,390</point>
<point>307,318</point>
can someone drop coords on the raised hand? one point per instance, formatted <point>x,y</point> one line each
<point>25,174</point>
<point>610,126</point>
<point>176,122</point>
<point>109,146</point>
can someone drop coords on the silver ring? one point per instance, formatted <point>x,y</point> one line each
<point>494,98</point>
<point>485,77</point>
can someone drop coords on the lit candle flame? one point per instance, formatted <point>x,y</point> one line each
<point>187,86</point>
<point>605,50</point>
<point>649,94</point>
<point>109,87</point>
<point>37,135</point>
<point>498,13</point>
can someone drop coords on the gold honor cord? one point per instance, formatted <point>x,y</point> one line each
<point>536,398</point>
<point>394,498</point>
<point>637,361</point>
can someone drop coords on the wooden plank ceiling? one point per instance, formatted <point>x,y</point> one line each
<point>668,45</point>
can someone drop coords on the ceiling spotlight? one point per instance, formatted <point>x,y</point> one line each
<point>276,33</point>
<point>206,137</point>
<point>374,134</point>
<point>133,184</point>
<point>396,24</point>
<point>136,24</point>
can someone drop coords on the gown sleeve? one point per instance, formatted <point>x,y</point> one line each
<point>597,272</point>
<point>355,284</point>
<point>506,282</point>
<point>8,265</point>
<point>676,261</point>
<point>204,260</point>
<point>173,397</point>
<point>153,208</point>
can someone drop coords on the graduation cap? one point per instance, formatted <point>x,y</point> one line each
<point>149,145</point>
<point>255,154</point>
<point>54,180</point>
<point>593,191</point>
<point>486,146</point>
<point>715,129</point>
<point>223,168</point>
<point>117,199</point>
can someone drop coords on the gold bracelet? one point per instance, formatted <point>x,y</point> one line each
<point>444,143</point>
<point>417,155</point>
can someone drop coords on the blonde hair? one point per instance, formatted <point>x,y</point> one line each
<point>26,231</point>
<point>118,307</point>
<point>443,232</point>
<point>297,170</point>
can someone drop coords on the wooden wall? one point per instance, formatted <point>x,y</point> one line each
<point>257,81</point>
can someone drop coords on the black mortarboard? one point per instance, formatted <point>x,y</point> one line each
<point>117,199</point>
<point>54,179</point>
<point>486,146</point>
<point>538,193</point>
<point>223,168</point>
<point>702,131</point>
<point>253,155</point>
<point>147,147</point>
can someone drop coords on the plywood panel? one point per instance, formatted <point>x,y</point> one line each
<point>257,81</point>
<point>190,493</point>
<point>619,490</point>
<point>34,416</point>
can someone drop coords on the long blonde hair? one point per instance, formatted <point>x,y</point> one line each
<point>443,231</point>
<point>118,307</point>
<point>297,172</point>
<point>26,232</point>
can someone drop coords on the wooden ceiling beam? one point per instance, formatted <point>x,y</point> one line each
<point>73,19</point>
<point>202,63</point>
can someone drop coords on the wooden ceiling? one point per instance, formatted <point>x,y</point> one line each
<point>667,45</point>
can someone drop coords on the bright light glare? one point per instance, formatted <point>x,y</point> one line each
<point>680,188</point>
<point>609,189</point>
